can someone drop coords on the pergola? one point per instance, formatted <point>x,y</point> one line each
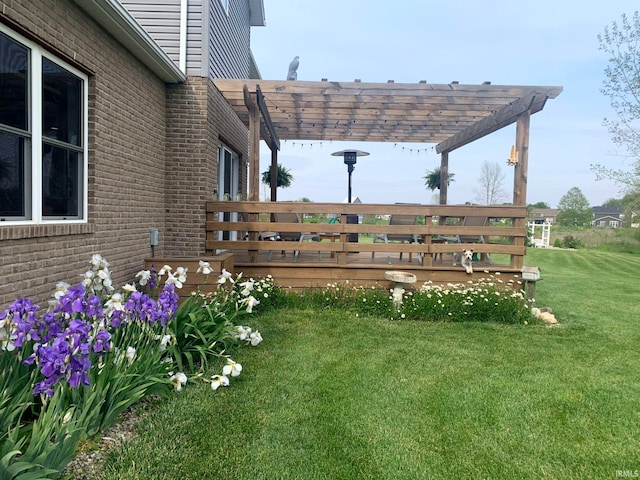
<point>448,115</point>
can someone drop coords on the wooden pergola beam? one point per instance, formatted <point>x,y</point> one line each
<point>268,130</point>
<point>389,112</point>
<point>503,117</point>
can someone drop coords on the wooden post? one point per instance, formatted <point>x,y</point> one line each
<point>444,176</point>
<point>274,174</point>
<point>522,150</point>
<point>254,160</point>
<point>520,179</point>
<point>254,144</point>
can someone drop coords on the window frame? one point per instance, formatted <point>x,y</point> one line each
<point>35,137</point>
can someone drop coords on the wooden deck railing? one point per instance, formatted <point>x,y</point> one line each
<point>504,237</point>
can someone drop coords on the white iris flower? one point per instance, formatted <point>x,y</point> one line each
<point>204,268</point>
<point>218,381</point>
<point>179,379</point>
<point>144,276</point>
<point>225,276</point>
<point>231,368</point>
<point>255,338</point>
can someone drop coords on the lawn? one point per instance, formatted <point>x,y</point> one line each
<point>329,395</point>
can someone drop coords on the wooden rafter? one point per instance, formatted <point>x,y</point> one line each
<point>267,129</point>
<point>503,117</point>
<point>449,115</point>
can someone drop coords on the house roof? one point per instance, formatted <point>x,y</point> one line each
<point>118,21</point>
<point>544,212</point>
<point>606,211</point>
<point>450,115</point>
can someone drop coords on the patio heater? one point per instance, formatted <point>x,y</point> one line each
<point>350,158</point>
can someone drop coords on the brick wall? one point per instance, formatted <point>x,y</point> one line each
<point>198,116</point>
<point>127,117</point>
<point>152,160</point>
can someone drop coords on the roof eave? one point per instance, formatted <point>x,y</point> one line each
<point>257,13</point>
<point>119,22</point>
<point>254,71</point>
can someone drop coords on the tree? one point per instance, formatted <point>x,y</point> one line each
<point>539,205</point>
<point>622,86</point>
<point>613,202</point>
<point>432,179</point>
<point>574,209</point>
<point>490,180</point>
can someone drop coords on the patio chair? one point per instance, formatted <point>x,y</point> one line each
<point>470,221</point>
<point>242,217</point>
<point>398,237</point>
<point>292,236</point>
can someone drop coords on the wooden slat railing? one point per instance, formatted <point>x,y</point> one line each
<point>259,214</point>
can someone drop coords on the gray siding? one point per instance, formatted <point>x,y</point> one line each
<point>161,20</point>
<point>229,39</point>
<point>218,44</point>
<point>196,39</point>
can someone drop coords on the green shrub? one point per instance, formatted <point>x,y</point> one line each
<point>570,242</point>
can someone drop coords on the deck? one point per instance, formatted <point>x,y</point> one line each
<point>336,259</point>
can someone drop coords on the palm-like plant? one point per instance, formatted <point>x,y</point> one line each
<point>432,179</point>
<point>284,177</point>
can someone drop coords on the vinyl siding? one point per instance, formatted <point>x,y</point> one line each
<point>229,39</point>
<point>218,44</point>
<point>161,20</point>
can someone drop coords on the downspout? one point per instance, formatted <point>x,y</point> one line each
<point>183,36</point>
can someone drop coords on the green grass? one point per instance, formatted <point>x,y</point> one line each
<point>330,397</point>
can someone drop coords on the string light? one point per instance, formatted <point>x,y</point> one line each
<point>320,144</point>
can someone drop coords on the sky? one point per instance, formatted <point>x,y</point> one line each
<point>548,43</point>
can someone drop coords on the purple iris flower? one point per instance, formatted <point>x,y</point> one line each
<point>154,278</point>
<point>102,342</point>
<point>25,321</point>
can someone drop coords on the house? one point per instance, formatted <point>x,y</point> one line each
<point>540,216</point>
<point>607,217</point>
<point>111,126</point>
<point>120,120</point>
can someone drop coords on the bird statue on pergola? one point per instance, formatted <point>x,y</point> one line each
<point>293,68</point>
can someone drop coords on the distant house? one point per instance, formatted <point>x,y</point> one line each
<point>607,217</point>
<point>541,216</point>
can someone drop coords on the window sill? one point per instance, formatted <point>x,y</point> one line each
<point>18,232</point>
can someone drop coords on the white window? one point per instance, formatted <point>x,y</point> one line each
<point>43,135</point>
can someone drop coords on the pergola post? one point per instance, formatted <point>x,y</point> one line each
<point>274,174</point>
<point>521,167</point>
<point>254,144</point>
<point>520,178</point>
<point>254,160</point>
<point>444,176</point>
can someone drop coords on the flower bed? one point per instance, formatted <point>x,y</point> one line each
<point>70,371</point>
